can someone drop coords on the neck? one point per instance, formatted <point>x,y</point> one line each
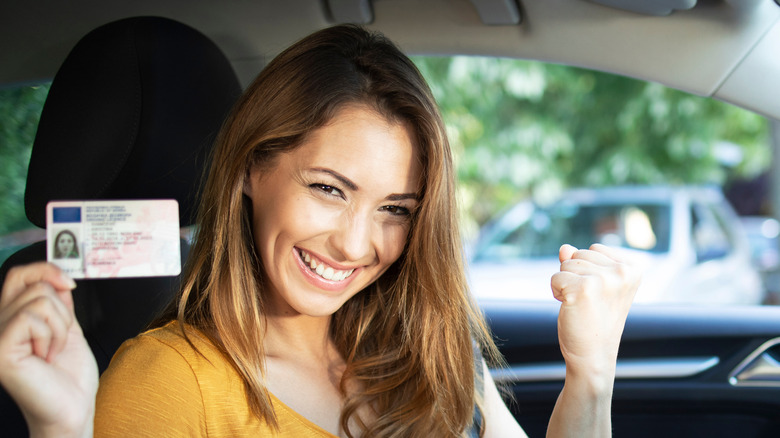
<point>298,336</point>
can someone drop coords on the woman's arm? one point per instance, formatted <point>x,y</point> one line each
<point>596,288</point>
<point>499,422</point>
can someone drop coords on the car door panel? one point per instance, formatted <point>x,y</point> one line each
<point>673,375</point>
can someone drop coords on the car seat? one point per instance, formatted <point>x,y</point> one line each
<point>131,114</point>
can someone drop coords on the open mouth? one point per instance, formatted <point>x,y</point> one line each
<point>323,270</point>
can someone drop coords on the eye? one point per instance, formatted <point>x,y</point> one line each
<point>397,210</point>
<point>330,190</point>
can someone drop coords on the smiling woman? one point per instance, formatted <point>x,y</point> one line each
<point>319,157</point>
<point>325,293</point>
<point>335,139</point>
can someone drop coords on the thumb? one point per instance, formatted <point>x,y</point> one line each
<point>566,252</point>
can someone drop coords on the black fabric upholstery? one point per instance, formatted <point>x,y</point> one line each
<point>131,114</point>
<point>109,311</point>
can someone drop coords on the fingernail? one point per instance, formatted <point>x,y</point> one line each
<point>69,281</point>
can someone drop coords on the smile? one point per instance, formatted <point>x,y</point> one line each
<point>323,270</point>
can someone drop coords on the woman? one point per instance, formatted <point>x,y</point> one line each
<point>325,293</point>
<point>65,246</point>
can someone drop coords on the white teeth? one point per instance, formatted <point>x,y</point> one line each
<point>323,271</point>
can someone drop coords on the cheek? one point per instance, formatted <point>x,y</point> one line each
<point>284,222</point>
<point>393,243</point>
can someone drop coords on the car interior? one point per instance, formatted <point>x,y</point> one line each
<point>131,114</point>
<point>140,89</point>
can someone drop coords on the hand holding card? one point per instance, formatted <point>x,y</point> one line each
<point>109,239</point>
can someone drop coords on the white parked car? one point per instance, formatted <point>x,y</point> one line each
<point>689,240</point>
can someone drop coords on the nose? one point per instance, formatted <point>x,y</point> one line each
<point>353,237</point>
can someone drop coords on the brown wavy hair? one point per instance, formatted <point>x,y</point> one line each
<point>407,339</point>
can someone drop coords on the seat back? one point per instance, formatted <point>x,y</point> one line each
<point>131,114</point>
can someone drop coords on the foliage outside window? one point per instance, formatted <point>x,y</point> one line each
<point>20,110</point>
<point>523,128</point>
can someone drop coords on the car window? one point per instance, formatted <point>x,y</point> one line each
<point>549,154</point>
<point>711,241</point>
<point>539,234</point>
<point>20,110</point>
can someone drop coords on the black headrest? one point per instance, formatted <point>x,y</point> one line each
<point>131,114</point>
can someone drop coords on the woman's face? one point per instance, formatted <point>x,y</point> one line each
<point>332,215</point>
<point>65,244</point>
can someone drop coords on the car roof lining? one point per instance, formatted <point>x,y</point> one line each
<point>706,50</point>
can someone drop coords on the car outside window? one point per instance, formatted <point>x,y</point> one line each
<point>20,110</point>
<point>711,237</point>
<point>635,226</point>
<point>549,154</point>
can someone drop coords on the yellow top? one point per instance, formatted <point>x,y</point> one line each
<point>158,385</point>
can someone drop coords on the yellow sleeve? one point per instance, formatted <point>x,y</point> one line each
<point>149,390</point>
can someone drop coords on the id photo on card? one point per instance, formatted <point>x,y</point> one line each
<point>66,245</point>
<point>65,248</point>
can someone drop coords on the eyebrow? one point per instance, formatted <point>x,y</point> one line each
<point>352,186</point>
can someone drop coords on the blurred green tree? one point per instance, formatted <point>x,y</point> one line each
<point>523,128</point>
<point>20,110</point>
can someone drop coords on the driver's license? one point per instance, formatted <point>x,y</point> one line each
<point>109,239</point>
